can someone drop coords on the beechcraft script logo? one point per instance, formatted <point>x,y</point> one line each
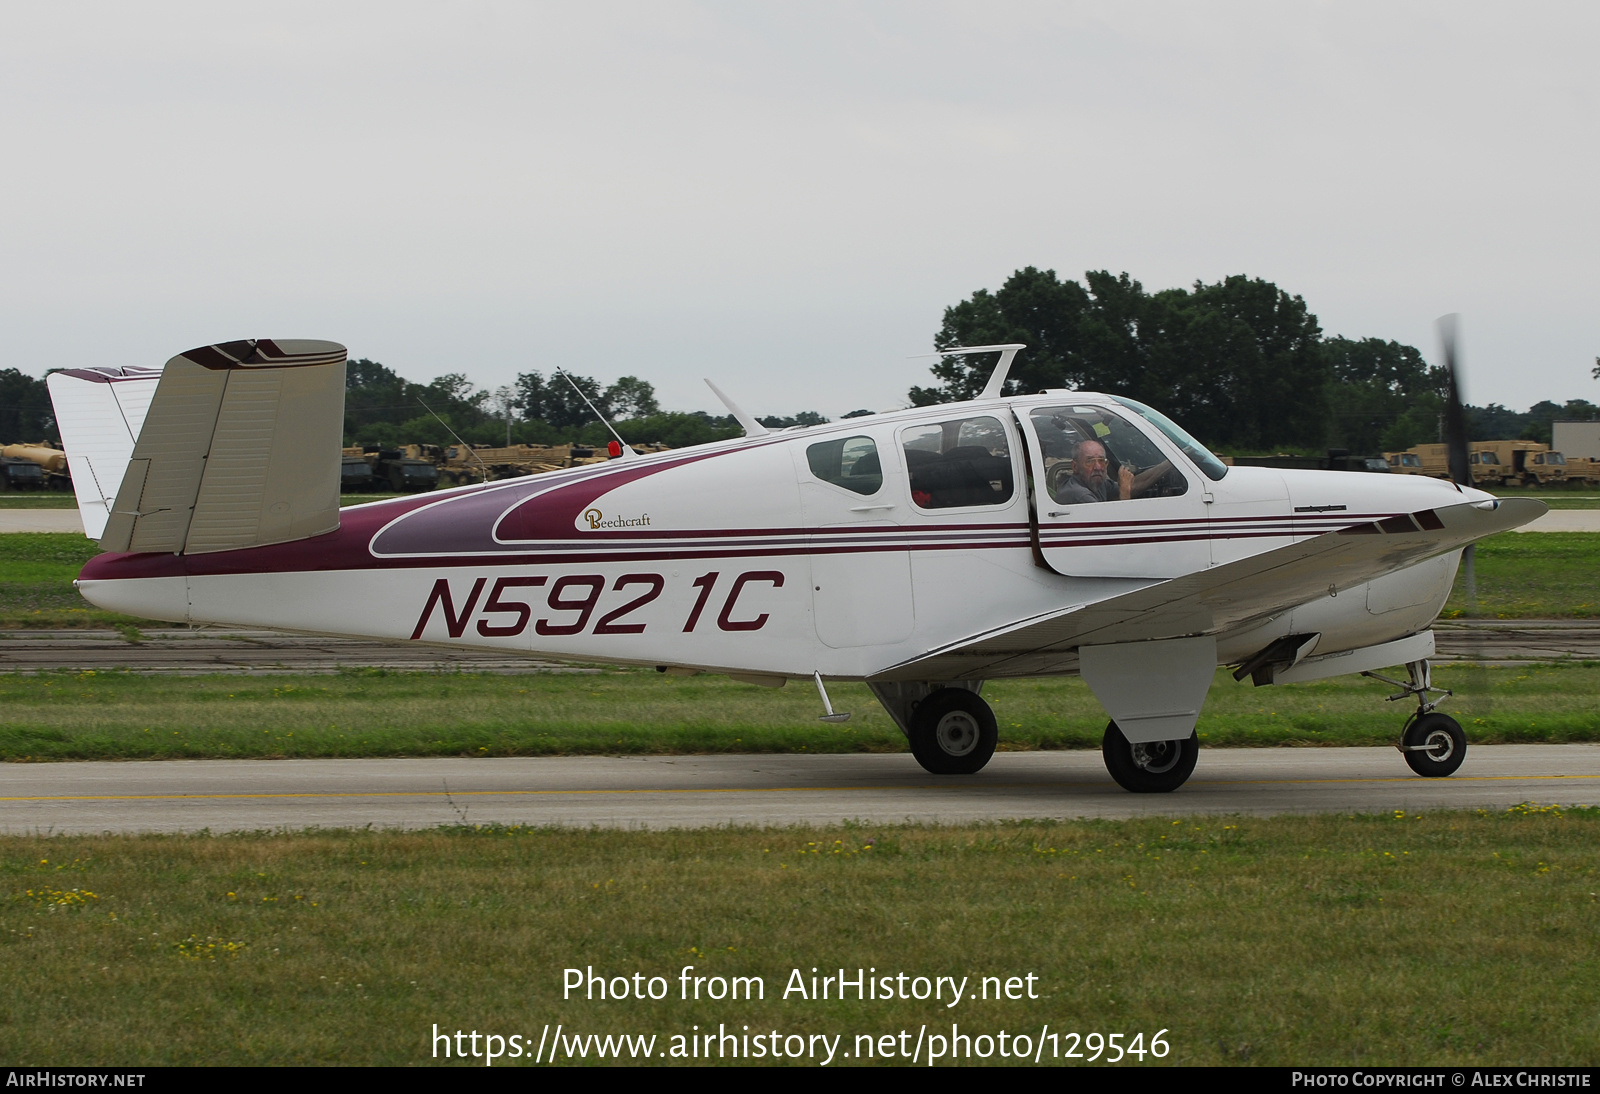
<point>596,520</point>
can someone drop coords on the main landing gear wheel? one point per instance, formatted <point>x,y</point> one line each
<point>1434,745</point>
<point>953,732</point>
<point>1154,768</point>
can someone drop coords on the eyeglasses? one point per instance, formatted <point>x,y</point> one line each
<point>1093,459</point>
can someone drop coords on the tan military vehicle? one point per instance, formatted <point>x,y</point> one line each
<point>1581,469</point>
<point>1404,463</point>
<point>1492,463</point>
<point>51,464</point>
<point>1523,463</point>
<point>461,465</point>
<point>1433,459</point>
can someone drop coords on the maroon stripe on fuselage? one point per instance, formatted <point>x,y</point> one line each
<point>460,531</point>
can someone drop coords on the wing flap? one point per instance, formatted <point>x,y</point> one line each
<point>1220,599</point>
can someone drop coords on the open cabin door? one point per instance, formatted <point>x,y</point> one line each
<point>1109,499</point>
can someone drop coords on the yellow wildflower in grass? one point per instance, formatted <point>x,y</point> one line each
<point>51,899</point>
<point>206,949</point>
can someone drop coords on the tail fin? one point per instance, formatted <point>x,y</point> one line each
<point>100,411</point>
<point>229,446</point>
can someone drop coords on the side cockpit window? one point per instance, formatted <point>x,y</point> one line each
<point>1092,454</point>
<point>966,461</point>
<point>850,462</point>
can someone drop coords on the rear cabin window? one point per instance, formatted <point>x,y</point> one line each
<point>1092,454</point>
<point>851,462</point>
<point>965,461</point>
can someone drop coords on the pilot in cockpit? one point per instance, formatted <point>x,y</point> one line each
<point>1089,480</point>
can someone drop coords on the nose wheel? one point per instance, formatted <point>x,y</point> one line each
<point>1433,744</point>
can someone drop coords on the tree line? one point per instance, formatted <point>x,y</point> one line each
<point>384,409</point>
<point>1240,363</point>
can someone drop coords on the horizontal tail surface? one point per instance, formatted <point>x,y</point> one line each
<point>229,446</point>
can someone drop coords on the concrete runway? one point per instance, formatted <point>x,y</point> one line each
<point>184,652</point>
<point>40,520</point>
<point>710,791</point>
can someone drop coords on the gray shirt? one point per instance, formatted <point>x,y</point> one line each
<point>1074,491</point>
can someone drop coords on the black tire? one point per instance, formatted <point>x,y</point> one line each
<point>1447,745</point>
<point>1156,768</point>
<point>953,732</point>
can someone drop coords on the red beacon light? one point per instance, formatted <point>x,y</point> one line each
<point>613,449</point>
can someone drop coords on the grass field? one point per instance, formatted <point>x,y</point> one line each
<point>1449,938</point>
<point>79,716</point>
<point>1549,575</point>
<point>1533,575</point>
<point>1578,496</point>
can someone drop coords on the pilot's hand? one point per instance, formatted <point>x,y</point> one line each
<point>1125,482</point>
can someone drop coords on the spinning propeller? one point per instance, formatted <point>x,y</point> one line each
<point>1457,441</point>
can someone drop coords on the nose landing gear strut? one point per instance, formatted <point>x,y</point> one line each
<point>1432,743</point>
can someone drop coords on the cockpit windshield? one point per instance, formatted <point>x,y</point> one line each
<point>1212,467</point>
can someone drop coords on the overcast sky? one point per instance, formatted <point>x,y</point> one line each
<point>784,196</point>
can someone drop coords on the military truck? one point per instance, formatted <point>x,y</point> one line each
<point>51,462</point>
<point>460,465</point>
<point>409,469</point>
<point>1584,470</point>
<point>481,463</point>
<point>1404,463</point>
<point>1497,463</point>
<point>1525,463</point>
<point>19,474</point>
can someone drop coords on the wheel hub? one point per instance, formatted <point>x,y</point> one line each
<point>957,733</point>
<point>1439,746</point>
<point>1158,757</point>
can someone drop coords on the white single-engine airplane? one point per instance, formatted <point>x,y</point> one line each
<point>922,551</point>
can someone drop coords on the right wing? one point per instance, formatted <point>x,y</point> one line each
<point>1220,599</point>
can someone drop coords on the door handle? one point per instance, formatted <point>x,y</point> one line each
<point>868,508</point>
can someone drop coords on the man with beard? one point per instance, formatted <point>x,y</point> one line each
<point>1089,480</point>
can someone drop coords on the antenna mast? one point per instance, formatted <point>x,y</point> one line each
<point>626,448</point>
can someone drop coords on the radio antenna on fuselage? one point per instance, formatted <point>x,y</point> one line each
<point>626,449</point>
<point>997,378</point>
<point>752,428</point>
<point>465,446</point>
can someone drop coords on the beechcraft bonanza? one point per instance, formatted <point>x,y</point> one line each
<point>923,551</point>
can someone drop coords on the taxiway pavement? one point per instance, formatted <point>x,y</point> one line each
<point>710,791</point>
<point>184,652</point>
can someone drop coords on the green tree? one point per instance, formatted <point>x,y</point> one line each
<point>25,410</point>
<point>631,397</point>
<point>554,401</point>
<point>1033,307</point>
<point>1372,385</point>
<point>804,417</point>
<point>1237,362</point>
